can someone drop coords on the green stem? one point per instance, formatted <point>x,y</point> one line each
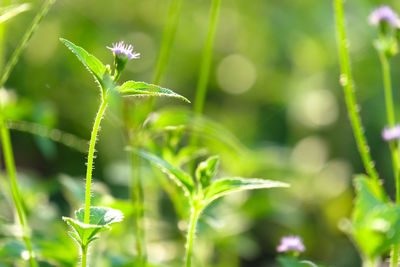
<point>346,81</point>
<point>138,202</point>
<point>84,256</point>
<point>89,169</point>
<point>194,216</point>
<point>5,134</point>
<point>24,42</point>
<point>391,120</point>
<point>174,14</point>
<point>394,256</point>
<point>205,64</point>
<point>3,30</point>
<point>370,263</point>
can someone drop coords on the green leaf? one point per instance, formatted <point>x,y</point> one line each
<point>100,220</point>
<point>226,186</point>
<point>11,11</point>
<point>132,88</point>
<point>95,67</point>
<point>205,171</point>
<point>375,220</point>
<point>177,175</point>
<point>370,194</point>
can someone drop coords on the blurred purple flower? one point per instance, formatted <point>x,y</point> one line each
<point>384,13</point>
<point>123,49</point>
<point>390,134</point>
<point>291,243</point>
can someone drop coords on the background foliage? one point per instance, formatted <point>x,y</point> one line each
<point>274,85</point>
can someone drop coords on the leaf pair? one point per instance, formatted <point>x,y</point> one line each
<point>206,190</point>
<point>375,221</point>
<point>100,220</point>
<point>103,77</point>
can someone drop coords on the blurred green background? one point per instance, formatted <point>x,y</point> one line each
<point>273,85</point>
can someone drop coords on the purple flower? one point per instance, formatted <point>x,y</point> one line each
<point>125,50</point>
<point>390,134</point>
<point>384,13</point>
<point>291,243</point>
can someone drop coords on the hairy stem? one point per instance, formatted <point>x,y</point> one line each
<point>194,216</point>
<point>89,169</point>
<point>205,64</point>
<point>84,256</point>
<point>346,81</point>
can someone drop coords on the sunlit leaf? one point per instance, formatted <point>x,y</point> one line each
<point>94,65</point>
<point>205,171</point>
<point>132,88</point>
<point>9,12</point>
<point>100,220</point>
<point>180,177</point>
<point>227,186</point>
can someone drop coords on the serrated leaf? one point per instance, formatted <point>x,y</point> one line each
<point>227,186</point>
<point>94,65</point>
<point>9,12</point>
<point>132,88</point>
<point>205,171</point>
<point>100,220</point>
<point>181,178</point>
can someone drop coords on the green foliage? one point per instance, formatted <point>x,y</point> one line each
<point>100,220</point>
<point>132,88</point>
<point>225,186</point>
<point>287,261</point>
<point>180,177</point>
<point>100,72</point>
<point>205,171</point>
<point>375,220</point>
<point>9,12</point>
<point>206,191</point>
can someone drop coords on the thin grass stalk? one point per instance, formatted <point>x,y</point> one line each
<point>391,120</point>
<point>206,58</point>
<point>346,80</point>
<point>138,203</point>
<point>3,30</point>
<point>24,42</point>
<point>168,38</point>
<point>5,134</point>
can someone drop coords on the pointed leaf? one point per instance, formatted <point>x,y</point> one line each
<point>132,88</point>
<point>180,177</point>
<point>226,186</point>
<point>205,171</point>
<point>98,70</point>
